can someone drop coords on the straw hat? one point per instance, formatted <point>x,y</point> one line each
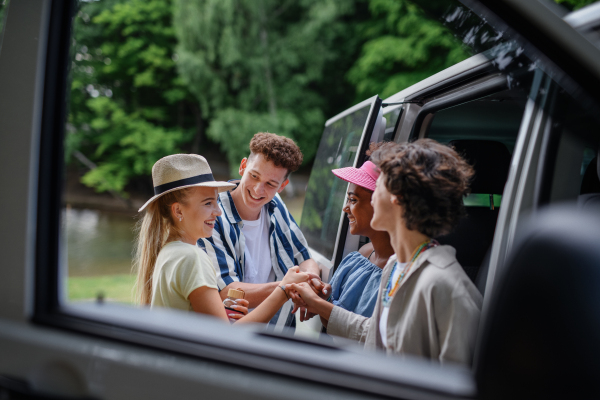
<point>180,171</point>
<point>365,176</point>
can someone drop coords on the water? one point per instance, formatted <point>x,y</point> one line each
<point>98,243</point>
<point>99,248</point>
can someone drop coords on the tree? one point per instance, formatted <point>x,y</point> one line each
<point>402,47</point>
<point>128,108</point>
<point>267,65</point>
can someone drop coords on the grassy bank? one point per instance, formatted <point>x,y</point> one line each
<point>114,287</point>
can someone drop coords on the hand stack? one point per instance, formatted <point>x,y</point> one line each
<point>309,296</point>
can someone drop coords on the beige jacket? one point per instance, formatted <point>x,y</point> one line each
<point>434,313</point>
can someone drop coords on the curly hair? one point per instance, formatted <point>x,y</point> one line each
<point>373,147</point>
<point>282,151</point>
<point>429,180</point>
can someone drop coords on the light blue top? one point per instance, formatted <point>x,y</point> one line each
<point>355,284</point>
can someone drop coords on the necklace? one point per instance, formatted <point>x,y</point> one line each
<point>390,290</point>
<point>369,258</point>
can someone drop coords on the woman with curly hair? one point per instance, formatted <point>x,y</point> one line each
<point>426,306</point>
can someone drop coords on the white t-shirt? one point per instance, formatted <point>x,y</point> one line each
<point>180,269</point>
<point>258,268</point>
<point>385,312</point>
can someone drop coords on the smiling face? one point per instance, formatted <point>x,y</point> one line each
<point>359,210</point>
<point>198,214</point>
<point>261,181</point>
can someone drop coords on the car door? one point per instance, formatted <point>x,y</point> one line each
<point>101,350</point>
<point>343,144</point>
<point>551,72</point>
<point>554,159</point>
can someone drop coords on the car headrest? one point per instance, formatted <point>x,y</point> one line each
<point>539,338</point>
<point>591,178</point>
<point>491,161</point>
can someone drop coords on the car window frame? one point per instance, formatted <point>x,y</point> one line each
<point>412,98</point>
<point>477,87</point>
<point>573,60</point>
<point>51,160</point>
<point>341,245</point>
<point>340,249</point>
<point>47,274</point>
<point>98,321</point>
<point>519,190</point>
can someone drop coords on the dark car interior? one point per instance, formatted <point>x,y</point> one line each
<point>474,234</point>
<point>484,132</point>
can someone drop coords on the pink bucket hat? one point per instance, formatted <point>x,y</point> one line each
<point>364,176</point>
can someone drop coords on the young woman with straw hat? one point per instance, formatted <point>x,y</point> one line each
<point>172,271</point>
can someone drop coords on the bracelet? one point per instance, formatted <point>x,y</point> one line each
<point>282,288</point>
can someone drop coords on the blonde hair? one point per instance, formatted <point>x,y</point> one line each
<point>153,231</point>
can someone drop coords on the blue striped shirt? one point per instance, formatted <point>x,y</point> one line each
<point>226,246</point>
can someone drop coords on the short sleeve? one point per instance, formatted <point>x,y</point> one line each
<point>355,284</point>
<point>195,271</point>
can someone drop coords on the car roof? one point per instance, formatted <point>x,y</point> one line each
<point>469,64</point>
<point>589,15</point>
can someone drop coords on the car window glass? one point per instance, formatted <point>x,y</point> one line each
<point>325,193</point>
<point>495,117</point>
<point>102,241</point>
<point>392,118</point>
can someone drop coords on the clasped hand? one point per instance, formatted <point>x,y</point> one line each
<point>305,294</point>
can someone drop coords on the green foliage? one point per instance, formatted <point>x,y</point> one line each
<point>575,4</point>
<point>225,128</point>
<point>151,77</point>
<point>139,142</point>
<point>267,66</point>
<point>128,108</point>
<point>3,8</point>
<point>402,48</point>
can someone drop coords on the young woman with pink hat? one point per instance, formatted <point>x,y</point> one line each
<point>172,271</point>
<point>355,283</point>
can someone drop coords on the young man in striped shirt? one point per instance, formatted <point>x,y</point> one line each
<point>256,239</point>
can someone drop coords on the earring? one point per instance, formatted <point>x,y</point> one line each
<point>180,218</point>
